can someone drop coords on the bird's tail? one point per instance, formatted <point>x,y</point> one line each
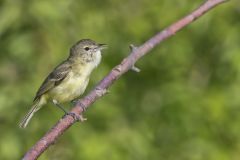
<point>35,107</point>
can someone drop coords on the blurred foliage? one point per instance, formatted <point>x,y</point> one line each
<point>183,105</point>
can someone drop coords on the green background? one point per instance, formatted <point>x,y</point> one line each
<point>183,105</point>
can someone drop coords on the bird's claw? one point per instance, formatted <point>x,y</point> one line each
<point>76,117</point>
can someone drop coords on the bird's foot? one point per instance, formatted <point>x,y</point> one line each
<point>76,117</point>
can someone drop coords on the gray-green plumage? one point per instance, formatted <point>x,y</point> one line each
<point>69,79</point>
<point>54,78</point>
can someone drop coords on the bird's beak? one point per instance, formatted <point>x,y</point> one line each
<point>102,46</point>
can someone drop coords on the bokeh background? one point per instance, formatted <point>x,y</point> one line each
<point>183,105</point>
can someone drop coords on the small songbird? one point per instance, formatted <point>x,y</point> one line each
<point>69,79</point>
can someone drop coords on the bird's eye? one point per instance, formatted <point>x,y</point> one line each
<point>86,48</point>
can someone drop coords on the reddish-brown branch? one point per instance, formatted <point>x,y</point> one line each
<point>128,63</point>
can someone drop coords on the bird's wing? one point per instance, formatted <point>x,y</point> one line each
<point>54,78</point>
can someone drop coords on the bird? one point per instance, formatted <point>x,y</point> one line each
<point>69,79</point>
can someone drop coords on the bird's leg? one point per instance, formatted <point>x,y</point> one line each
<point>74,115</point>
<point>55,102</point>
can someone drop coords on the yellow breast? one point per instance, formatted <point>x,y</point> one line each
<point>73,85</point>
<point>76,81</point>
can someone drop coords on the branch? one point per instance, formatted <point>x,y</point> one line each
<point>101,89</point>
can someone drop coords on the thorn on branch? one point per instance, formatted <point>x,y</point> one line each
<point>135,69</point>
<point>100,92</point>
<point>118,68</point>
<point>81,118</point>
<point>133,48</point>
